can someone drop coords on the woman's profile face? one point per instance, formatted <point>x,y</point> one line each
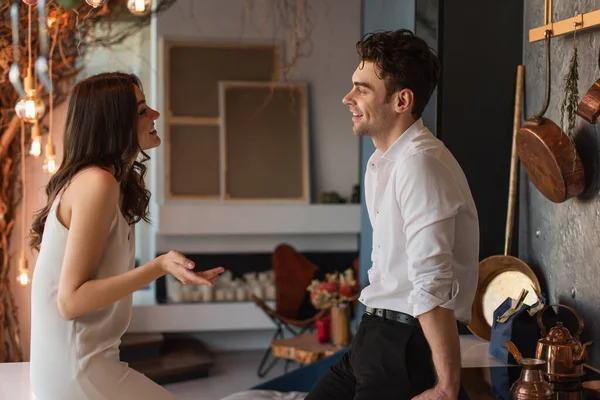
<point>147,136</point>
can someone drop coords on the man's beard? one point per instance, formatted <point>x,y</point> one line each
<point>362,130</point>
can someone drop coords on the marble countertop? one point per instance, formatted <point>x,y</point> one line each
<point>14,377</point>
<point>14,381</point>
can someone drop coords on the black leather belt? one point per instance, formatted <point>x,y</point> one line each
<point>393,316</point>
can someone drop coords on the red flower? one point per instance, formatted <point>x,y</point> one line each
<point>330,287</point>
<point>336,289</point>
<point>346,291</point>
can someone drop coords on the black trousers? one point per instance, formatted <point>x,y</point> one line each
<point>387,360</point>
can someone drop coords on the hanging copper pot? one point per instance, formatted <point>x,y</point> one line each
<point>589,106</point>
<point>546,153</point>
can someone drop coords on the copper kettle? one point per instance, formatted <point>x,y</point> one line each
<point>563,353</point>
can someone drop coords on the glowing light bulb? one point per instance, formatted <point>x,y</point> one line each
<point>30,2</point>
<point>50,161</point>
<point>36,142</point>
<point>36,147</point>
<point>23,277</point>
<point>30,108</point>
<point>95,3</point>
<point>139,7</point>
<point>52,18</point>
<point>57,16</point>
<point>50,165</point>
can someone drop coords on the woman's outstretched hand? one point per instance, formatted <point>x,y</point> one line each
<point>181,267</point>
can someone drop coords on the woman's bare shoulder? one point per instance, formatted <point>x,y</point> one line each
<point>93,190</point>
<point>93,182</point>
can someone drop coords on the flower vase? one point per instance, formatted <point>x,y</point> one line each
<point>340,325</point>
<point>324,329</point>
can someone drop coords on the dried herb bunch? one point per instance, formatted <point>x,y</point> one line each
<point>571,98</point>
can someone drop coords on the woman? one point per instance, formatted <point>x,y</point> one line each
<point>84,275</point>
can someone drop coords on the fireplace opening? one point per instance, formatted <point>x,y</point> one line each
<point>245,274</point>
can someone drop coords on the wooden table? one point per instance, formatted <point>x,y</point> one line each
<point>304,348</point>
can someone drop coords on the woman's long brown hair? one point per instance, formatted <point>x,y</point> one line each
<point>101,131</point>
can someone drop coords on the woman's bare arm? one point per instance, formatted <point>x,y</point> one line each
<point>94,201</point>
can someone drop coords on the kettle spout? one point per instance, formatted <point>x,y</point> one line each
<point>581,357</point>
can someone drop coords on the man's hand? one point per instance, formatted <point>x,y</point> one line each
<point>435,394</point>
<point>441,331</point>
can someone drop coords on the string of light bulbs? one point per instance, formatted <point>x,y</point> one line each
<point>31,115</point>
<point>30,107</point>
<point>23,272</point>
<point>50,160</point>
<point>136,7</point>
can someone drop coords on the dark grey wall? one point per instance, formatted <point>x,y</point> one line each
<point>562,241</point>
<point>480,49</point>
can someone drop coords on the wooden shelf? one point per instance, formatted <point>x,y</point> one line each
<point>248,219</point>
<point>198,317</point>
<point>562,27</point>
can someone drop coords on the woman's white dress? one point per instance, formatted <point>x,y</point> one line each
<point>79,359</point>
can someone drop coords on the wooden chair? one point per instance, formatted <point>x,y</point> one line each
<point>293,273</point>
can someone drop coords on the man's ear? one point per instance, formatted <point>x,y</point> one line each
<point>403,101</point>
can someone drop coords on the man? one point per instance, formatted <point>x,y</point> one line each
<point>424,269</point>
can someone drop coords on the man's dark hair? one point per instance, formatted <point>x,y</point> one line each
<point>405,62</point>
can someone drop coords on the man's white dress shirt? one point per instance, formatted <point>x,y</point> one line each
<point>425,228</point>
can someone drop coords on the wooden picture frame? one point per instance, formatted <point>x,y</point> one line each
<point>184,78</point>
<point>265,145</point>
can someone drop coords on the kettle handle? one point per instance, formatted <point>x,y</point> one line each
<point>543,328</point>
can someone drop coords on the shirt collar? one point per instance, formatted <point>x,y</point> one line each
<point>398,147</point>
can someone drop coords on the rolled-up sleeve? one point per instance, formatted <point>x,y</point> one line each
<point>429,201</point>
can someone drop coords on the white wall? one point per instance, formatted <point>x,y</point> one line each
<point>133,55</point>
<point>328,69</point>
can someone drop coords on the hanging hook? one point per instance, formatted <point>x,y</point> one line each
<point>576,25</point>
<point>539,115</point>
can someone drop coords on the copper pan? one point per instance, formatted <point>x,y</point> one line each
<point>503,276</point>
<point>546,153</point>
